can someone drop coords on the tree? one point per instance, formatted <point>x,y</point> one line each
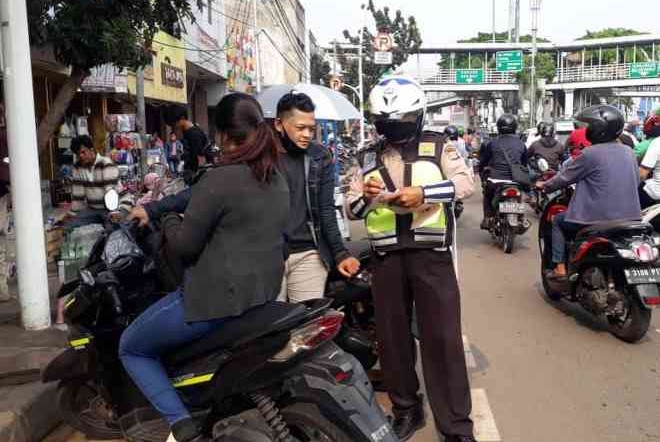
<point>407,40</point>
<point>319,69</point>
<point>89,33</point>
<point>609,56</point>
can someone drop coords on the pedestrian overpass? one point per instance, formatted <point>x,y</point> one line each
<point>627,66</point>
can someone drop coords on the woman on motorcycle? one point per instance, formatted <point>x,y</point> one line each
<point>231,239</point>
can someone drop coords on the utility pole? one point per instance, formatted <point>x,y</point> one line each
<point>535,8</point>
<point>510,20</point>
<point>24,166</point>
<point>141,112</point>
<point>255,35</point>
<point>361,81</point>
<point>517,20</point>
<point>494,27</point>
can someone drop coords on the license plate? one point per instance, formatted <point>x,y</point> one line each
<point>512,208</point>
<point>648,275</point>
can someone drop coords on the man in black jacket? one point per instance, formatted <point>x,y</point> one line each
<point>314,241</point>
<point>496,158</point>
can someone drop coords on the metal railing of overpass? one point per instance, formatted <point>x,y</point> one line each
<point>607,72</point>
<point>448,76</point>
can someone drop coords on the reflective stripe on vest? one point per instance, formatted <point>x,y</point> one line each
<point>381,222</point>
<point>434,226</point>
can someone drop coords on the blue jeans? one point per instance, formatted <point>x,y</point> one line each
<point>561,229</point>
<point>160,328</point>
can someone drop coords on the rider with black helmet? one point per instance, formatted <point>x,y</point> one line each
<point>548,146</point>
<point>606,175</point>
<point>494,162</point>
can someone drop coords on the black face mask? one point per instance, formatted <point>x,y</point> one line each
<point>396,132</point>
<point>288,144</point>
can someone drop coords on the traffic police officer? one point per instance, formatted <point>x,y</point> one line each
<point>404,189</point>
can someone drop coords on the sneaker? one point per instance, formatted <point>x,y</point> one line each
<point>61,327</point>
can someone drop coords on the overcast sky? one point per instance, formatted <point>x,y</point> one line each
<point>445,21</point>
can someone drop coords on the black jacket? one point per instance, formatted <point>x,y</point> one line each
<point>492,156</point>
<point>320,171</point>
<point>231,240</point>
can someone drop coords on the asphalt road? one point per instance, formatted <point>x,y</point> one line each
<point>543,371</point>
<point>549,371</point>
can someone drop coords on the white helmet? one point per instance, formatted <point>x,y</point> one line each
<point>398,105</point>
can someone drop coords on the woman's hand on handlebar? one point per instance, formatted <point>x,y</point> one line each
<point>139,214</point>
<point>540,185</point>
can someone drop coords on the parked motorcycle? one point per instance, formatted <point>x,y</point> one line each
<point>509,219</point>
<point>273,374</point>
<point>613,270</point>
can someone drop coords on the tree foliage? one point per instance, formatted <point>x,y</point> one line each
<point>319,69</point>
<point>407,40</point>
<point>88,33</point>
<point>609,33</point>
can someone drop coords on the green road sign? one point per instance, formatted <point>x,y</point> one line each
<point>644,70</point>
<point>469,76</point>
<point>509,61</point>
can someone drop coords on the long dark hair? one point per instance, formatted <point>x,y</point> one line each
<point>240,119</point>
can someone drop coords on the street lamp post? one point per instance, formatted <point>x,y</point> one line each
<point>535,7</point>
<point>360,73</point>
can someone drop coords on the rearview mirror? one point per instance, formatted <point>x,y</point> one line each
<point>111,200</point>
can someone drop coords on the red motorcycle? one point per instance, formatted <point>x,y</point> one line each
<point>613,270</point>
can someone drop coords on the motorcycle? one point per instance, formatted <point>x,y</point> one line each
<point>273,374</point>
<point>540,171</point>
<point>509,219</point>
<point>613,270</point>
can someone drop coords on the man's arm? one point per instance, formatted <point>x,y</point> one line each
<point>355,205</point>
<point>485,154</point>
<point>329,227</point>
<point>579,168</point>
<point>77,192</point>
<point>459,184</point>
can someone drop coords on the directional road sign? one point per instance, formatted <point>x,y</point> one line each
<point>469,76</point>
<point>509,61</point>
<point>644,70</point>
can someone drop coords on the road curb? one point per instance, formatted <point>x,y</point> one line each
<point>32,414</point>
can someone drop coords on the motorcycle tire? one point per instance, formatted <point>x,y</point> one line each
<point>636,324</point>
<point>307,424</point>
<point>83,408</point>
<point>508,239</point>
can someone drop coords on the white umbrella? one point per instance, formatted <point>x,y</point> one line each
<point>330,105</point>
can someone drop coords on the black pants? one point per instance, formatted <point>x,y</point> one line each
<point>645,199</point>
<point>489,194</point>
<point>427,279</point>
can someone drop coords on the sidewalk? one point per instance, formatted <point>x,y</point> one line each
<point>27,407</point>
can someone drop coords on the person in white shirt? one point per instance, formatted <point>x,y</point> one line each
<point>649,170</point>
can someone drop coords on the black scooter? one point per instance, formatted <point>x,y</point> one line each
<point>271,375</point>
<point>509,220</point>
<point>613,270</point>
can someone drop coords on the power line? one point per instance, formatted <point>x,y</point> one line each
<point>284,56</point>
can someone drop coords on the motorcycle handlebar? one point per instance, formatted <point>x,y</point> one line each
<point>117,305</point>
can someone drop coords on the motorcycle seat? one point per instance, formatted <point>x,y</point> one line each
<point>260,321</point>
<point>614,229</point>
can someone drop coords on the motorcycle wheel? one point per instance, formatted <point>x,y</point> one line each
<point>307,424</point>
<point>82,407</point>
<point>635,325</point>
<point>508,239</point>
